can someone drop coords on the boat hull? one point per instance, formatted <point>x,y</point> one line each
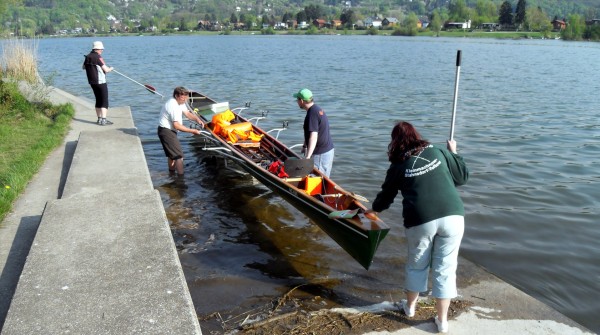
<point>359,235</point>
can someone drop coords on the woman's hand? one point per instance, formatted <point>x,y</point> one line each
<point>371,214</point>
<point>452,146</point>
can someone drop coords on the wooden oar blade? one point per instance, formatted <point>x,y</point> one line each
<point>150,88</point>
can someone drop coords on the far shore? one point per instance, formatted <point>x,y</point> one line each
<point>452,33</point>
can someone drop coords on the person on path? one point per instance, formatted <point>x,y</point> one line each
<point>318,143</point>
<point>96,70</point>
<point>433,213</point>
<point>170,122</point>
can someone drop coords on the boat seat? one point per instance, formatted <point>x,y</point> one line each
<point>247,144</point>
<point>313,185</point>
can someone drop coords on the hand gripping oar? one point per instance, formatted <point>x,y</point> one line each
<point>455,95</point>
<point>146,86</point>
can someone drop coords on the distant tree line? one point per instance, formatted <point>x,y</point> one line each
<point>47,17</point>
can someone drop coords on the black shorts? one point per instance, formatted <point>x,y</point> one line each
<point>170,143</point>
<point>101,94</point>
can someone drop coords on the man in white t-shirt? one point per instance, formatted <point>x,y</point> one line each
<point>170,123</point>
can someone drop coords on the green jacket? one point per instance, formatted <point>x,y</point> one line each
<point>428,183</point>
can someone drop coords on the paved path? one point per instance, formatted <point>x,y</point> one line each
<point>89,242</point>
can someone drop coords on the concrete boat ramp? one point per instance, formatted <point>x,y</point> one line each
<point>87,249</point>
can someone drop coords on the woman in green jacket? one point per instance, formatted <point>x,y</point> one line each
<point>433,213</point>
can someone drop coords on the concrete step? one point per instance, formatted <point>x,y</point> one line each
<point>110,161</point>
<point>103,264</point>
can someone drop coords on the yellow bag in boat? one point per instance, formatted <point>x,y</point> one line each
<point>254,136</point>
<point>233,132</point>
<point>222,120</point>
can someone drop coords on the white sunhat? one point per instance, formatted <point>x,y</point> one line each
<point>97,46</point>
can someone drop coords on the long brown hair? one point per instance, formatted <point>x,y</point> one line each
<point>405,141</point>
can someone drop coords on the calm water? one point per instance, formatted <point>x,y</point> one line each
<point>527,126</point>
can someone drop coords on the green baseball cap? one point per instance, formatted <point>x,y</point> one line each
<point>304,94</point>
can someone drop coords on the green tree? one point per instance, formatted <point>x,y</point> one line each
<point>5,4</point>
<point>458,10</point>
<point>487,9</point>
<point>408,26</point>
<point>301,16</point>
<point>47,29</point>
<point>575,28</point>
<point>249,20</point>
<point>314,12</point>
<point>438,17</point>
<point>506,14</point>
<point>521,12</point>
<point>592,33</point>
<point>312,30</point>
<point>537,20</point>
<point>233,19</point>
<point>348,18</point>
<point>372,31</point>
<point>182,24</point>
<point>286,17</point>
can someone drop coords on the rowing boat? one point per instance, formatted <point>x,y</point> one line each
<point>338,212</point>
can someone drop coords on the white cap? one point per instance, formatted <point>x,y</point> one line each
<point>98,46</point>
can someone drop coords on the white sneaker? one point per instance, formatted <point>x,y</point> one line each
<point>441,326</point>
<point>409,312</point>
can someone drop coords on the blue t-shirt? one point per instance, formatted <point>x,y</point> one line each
<point>316,121</point>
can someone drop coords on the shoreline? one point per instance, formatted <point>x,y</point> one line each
<point>511,35</point>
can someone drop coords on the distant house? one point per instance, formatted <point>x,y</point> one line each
<point>281,25</point>
<point>319,23</point>
<point>303,25</point>
<point>335,24</point>
<point>559,24</point>
<point>491,26</point>
<point>203,25</point>
<point>593,22</point>
<point>422,24</point>
<point>375,23</point>
<point>389,22</point>
<point>115,26</point>
<point>292,24</point>
<point>458,25</point>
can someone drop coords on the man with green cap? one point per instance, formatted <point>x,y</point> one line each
<point>317,138</point>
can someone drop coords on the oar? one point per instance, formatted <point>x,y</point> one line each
<point>146,86</point>
<point>352,194</point>
<point>455,95</point>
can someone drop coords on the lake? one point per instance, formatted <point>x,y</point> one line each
<point>527,125</point>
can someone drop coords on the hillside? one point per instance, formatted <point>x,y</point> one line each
<point>51,16</point>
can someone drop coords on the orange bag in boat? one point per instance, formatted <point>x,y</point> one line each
<point>255,137</point>
<point>222,120</point>
<point>237,132</point>
<point>233,132</point>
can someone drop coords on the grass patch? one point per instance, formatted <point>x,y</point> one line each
<point>28,134</point>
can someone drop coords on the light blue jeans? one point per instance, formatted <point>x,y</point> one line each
<point>324,162</point>
<point>434,245</point>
